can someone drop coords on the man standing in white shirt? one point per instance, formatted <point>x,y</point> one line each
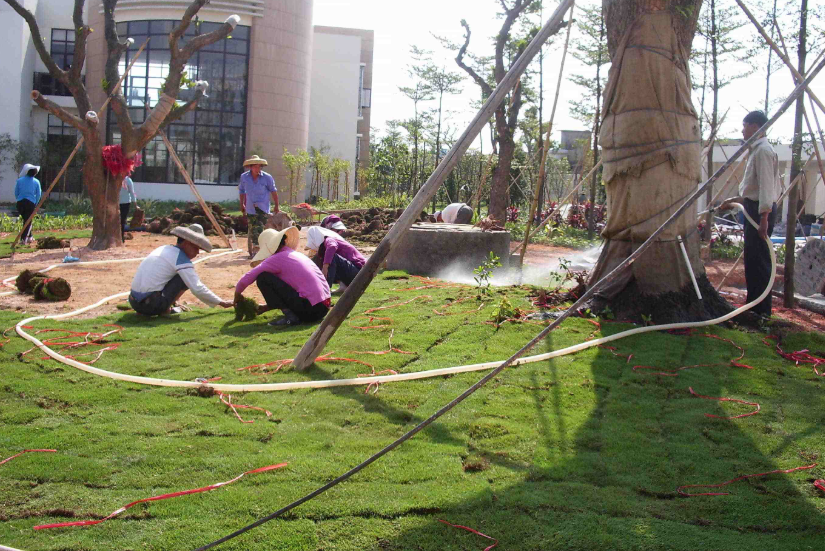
<point>168,272</point>
<point>758,192</point>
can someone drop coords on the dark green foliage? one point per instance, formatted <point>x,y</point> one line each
<point>246,309</point>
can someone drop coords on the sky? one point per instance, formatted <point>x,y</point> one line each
<point>399,25</point>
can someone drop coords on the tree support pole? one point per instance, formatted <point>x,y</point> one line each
<point>197,194</point>
<point>798,77</point>
<point>336,317</point>
<point>76,148</point>
<point>546,145</point>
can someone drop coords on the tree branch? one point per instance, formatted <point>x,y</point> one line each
<point>58,111</point>
<point>37,38</point>
<point>486,89</point>
<point>115,50</point>
<point>82,31</point>
<point>178,112</point>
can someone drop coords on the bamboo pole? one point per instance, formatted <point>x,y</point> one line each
<point>194,189</point>
<point>546,145</point>
<point>76,148</point>
<point>561,204</point>
<point>333,320</point>
<point>798,77</point>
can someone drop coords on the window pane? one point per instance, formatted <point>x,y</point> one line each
<point>207,155</point>
<point>58,34</point>
<point>233,119</point>
<point>58,48</point>
<point>234,45</point>
<point>231,155</point>
<point>122,30</point>
<point>161,27</point>
<point>235,66</point>
<point>241,32</point>
<point>138,27</point>
<point>70,36</point>
<point>208,117</point>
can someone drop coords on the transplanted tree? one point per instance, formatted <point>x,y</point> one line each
<point>102,188</point>
<point>508,48</point>
<point>651,151</point>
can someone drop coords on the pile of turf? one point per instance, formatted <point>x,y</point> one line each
<point>246,309</point>
<point>51,242</point>
<point>42,287</point>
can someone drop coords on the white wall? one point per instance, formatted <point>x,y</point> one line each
<point>333,112</point>
<point>813,192</point>
<point>181,192</point>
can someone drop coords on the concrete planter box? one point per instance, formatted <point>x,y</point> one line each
<point>427,249</point>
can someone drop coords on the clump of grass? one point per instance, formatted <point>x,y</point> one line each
<point>246,309</point>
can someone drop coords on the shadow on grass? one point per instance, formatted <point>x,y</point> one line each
<point>612,483</point>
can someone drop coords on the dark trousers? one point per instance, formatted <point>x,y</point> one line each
<point>160,301</point>
<point>25,208</point>
<point>124,214</point>
<point>757,258</point>
<point>464,215</point>
<point>341,270</point>
<point>280,296</point>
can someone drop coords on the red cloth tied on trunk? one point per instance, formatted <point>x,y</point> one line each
<point>117,163</point>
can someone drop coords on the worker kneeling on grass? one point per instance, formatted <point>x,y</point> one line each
<point>338,259</point>
<point>168,272</point>
<point>288,280</point>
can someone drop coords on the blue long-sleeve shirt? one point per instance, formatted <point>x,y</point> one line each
<point>27,187</point>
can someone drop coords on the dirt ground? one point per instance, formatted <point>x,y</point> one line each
<point>90,283</point>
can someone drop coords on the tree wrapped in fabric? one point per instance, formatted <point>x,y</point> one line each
<point>651,149</point>
<point>102,186</point>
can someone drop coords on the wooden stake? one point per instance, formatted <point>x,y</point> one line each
<point>326,330</point>
<point>799,78</point>
<point>546,145</point>
<point>198,196</point>
<point>76,149</point>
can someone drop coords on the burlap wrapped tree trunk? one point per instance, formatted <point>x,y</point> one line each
<point>651,149</point>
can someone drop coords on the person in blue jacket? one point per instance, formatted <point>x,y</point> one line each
<point>127,197</point>
<point>27,194</point>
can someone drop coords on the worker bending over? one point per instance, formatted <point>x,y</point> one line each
<point>455,213</point>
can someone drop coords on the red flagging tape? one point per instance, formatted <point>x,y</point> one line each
<point>495,541</point>
<point>235,407</point>
<point>820,484</point>
<point>727,400</point>
<point>159,498</point>
<point>25,451</point>
<point>688,332</point>
<point>371,310</point>
<point>679,489</point>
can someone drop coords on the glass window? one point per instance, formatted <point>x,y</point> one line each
<point>62,47</point>
<point>210,140</point>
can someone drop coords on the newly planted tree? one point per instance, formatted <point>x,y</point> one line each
<point>100,183</point>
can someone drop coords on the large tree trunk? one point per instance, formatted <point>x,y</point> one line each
<point>651,151</point>
<point>104,195</point>
<point>499,198</point>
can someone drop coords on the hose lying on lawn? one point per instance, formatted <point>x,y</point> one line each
<point>270,387</point>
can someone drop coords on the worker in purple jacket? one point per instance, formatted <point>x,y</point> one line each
<point>288,280</point>
<point>340,262</point>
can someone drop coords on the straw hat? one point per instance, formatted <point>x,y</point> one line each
<point>193,234</point>
<point>255,160</point>
<point>269,240</point>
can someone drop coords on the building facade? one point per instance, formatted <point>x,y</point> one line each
<point>262,79</point>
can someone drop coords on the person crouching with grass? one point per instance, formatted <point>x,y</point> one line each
<point>339,260</point>
<point>288,280</point>
<point>168,272</point>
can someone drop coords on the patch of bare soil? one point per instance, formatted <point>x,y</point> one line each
<point>91,283</point>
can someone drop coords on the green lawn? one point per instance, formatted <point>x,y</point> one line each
<point>6,242</point>
<point>576,453</point>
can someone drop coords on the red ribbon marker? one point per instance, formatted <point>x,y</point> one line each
<point>158,498</point>
<point>495,541</point>
<point>229,403</point>
<point>679,489</point>
<point>25,451</point>
<point>727,400</point>
<point>820,484</point>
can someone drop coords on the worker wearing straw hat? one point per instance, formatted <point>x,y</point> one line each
<point>168,272</point>
<point>257,187</point>
<point>288,280</point>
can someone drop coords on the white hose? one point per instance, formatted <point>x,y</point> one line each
<point>269,387</point>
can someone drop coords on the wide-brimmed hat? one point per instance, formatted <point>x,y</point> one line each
<point>269,240</point>
<point>255,160</point>
<point>193,234</point>
<point>26,168</point>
